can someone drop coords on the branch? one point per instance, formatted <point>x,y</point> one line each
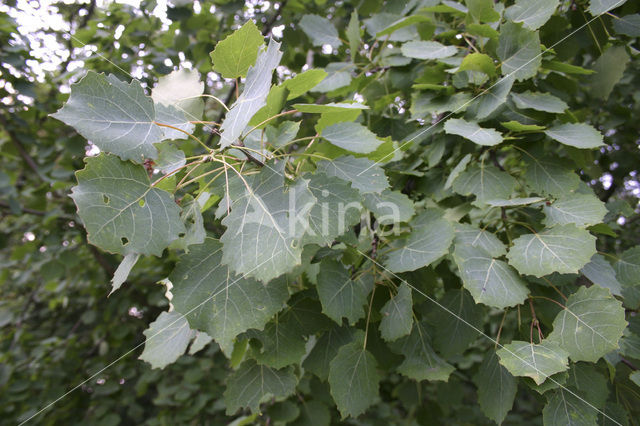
<point>250,157</point>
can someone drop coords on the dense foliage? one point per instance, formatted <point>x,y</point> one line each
<point>359,212</point>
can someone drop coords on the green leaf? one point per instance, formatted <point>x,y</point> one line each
<point>354,380</point>
<point>489,281</point>
<point>363,174</point>
<point>233,56</point>
<point>339,76</point>
<point>340,294</point>
<point>598,7</point>
<point>587,380</point>
<point>549,175</point>
<point>427,50</point>
<point>496,388</point>
<point>326,348</point>
<point>628,267</point>
<point>283,134</point>
<point>122,212</point>
<point>431,238</point>
<point>519,51</point>
<point>455,172</point>
<point>303,82</point>
<point>565,408</point>
<point>564,249</point>
<point>117,117</point>
<point>423,105</point>
<point>353,137</point>
<point>485,182</point>
<point>536,361</point>
<point>515,126</point>
<point>539,101</point>
<point>313,413</point>
<point>182,89</point>
<point>492,99</point>
<point>454,327</point>
<point>580,209</point>
<point>513,202</point>
<point>405,21</point>
<point>565,68</point>
<point>420,360</point>
<point>216,301</point>
<point>397,315</point>
<point>274,103</point>
<point>609,69</point>
<point>353,35</point>
<point>167,339</point>
<point>482,30</point>
<point>478,62</point>
<point>600,272</point>
<point>482,10</point>
<point>590,325</point>
<point>282,342</point>
<point>253,384</point>
<point>472,131</point>
<point>254,95</point>
<point>121,274</point>
<point>270,219</point>
<point>579,135</point>
<point>335,211</point>
<point>628,25</point>
<point>533,15</point>
<point>340,107</point>
<point>468,235</point>
<point>390,207</point>
<point>320,30</point>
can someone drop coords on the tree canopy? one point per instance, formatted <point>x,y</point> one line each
<point>306,212</point>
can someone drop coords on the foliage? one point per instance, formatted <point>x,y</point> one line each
<point>400,212</point>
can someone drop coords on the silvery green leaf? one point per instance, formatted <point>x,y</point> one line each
<point>579,135</point>
<point>340,294</point>
<point>169,158</point>
<point>598,7</point>
<point>468,235</point>
<point>533,15</point>
<point>215,300</point>
<point>492,99</point>
<point>363,174</point>
<point>283,134</point>
<point>335,211</point>
<point>354,379</point>
<point>427,50</point>
<point>539,101</point>
<point>513,202</point>
<point>456,327</point>
<point>251,384</point>
<point>496,388</point>
<point>580,209</point>
<point>320,30</point>
<point>564,249</point>
<point>133,218</point>
<point>397,315</point>
<point>123,270</point>
<point>538,361</point>
<point>549,175</point>
<point>490,281</point>
<point>565,408</point>
<point>389,207</point>
<point>600,272</point>
<point>266,224</point>
<point>430,239</point>
<point>590,325</point>
<point>117,117</point>
<point>254,95</point>
<point>353,137</point>
<point>486,182</point>
<point>167,339</point>
<point>472,131</point>
<point>519,51</point>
